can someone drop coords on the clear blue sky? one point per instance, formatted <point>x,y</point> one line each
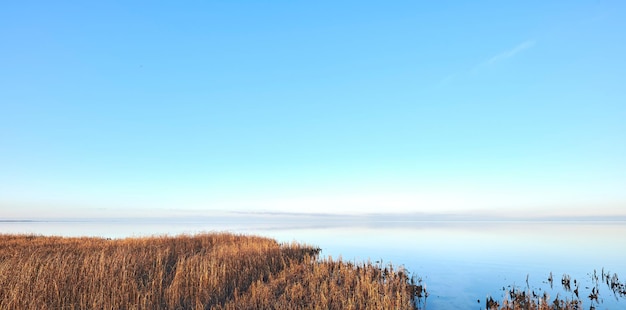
<point>340,106</point>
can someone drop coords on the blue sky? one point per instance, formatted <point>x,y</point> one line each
<point>312,107</point>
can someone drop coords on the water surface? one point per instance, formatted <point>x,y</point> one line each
<point>460,262</point>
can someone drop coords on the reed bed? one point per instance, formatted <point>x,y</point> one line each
<point>205,271</point>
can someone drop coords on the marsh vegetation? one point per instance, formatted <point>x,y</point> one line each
<point>205,271</point>
<point>575,295</point>
<point>230,271</point>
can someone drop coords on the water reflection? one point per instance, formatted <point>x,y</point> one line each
<point>460,262</point>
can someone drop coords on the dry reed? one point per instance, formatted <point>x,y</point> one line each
<point>205,271</point>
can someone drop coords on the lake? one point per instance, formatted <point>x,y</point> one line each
<point>461,262</point>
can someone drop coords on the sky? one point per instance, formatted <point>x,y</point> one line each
<point>150,107</point>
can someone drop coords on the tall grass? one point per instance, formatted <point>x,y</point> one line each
<point>206,271</point>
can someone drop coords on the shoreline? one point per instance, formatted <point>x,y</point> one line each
<point>298,259</point>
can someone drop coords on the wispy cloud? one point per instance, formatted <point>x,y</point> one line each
<point>510,53</point>
<point>490,62</point>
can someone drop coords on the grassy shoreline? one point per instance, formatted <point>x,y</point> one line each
<point>223,271</point>
<point>205,271</point>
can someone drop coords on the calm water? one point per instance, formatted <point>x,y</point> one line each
<point>460,262</point>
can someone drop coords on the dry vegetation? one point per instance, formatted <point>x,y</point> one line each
<point>529,300</point>
<point>207,271</point>
<point>517,298</point>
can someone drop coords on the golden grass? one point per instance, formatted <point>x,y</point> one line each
<point>206,271</point>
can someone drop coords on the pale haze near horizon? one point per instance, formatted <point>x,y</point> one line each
<point>131,109</point>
